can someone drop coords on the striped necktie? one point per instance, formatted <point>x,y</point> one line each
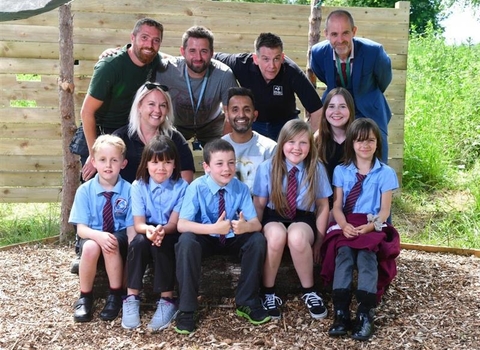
<point>292,193</point>
<point>354,194</point>
<point>108,213</point>
<point>221,209</point>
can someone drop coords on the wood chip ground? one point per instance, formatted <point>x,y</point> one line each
<point>434,303</point>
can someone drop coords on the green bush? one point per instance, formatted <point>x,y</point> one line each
<point>442,142</point>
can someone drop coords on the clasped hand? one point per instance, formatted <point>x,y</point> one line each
<point>351,231</point>
<point>155,234</point>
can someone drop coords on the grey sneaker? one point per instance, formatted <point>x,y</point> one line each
<point>131,312</point>
<point>166,312</point>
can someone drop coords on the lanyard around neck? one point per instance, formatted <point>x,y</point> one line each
<point>196,107</point>
<point>339,70</point>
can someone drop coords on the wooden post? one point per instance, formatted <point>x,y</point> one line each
<point>71,164</point>
<point>315,21</point>
<point>313,37</point>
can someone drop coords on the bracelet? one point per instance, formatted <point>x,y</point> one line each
<point>377,224</point>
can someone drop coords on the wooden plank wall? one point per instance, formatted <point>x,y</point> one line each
<point>30,137</point>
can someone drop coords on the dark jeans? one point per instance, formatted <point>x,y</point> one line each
<point>271,130</point>
<point>204,133</point>
<point>141,252</point>
<point>191,248</point>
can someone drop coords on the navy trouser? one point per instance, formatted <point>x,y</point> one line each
<point>367,266</point>
<point>268,129</point>
<point>191,248</point>
<point>141,252</point>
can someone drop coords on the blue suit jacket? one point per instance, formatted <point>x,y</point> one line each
<point>371,75</point>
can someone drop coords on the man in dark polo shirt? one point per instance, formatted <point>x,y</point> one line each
<point>114,83</point>
<point>274,80</point>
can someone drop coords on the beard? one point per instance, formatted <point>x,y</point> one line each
<point>197,69</point>
<point>145,58</point>
<point>242,128</point>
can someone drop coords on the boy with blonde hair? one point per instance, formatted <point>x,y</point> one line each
<point>102,212</point>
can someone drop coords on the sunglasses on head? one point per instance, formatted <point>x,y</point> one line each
<point>151,86</point>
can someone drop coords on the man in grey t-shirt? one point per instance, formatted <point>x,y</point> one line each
<point>251,148</point>
<point>198,86</point>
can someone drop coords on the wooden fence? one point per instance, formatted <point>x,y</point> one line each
<point>30,133</point>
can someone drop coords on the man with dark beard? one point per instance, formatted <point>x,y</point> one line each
<point>251,148</point>
<point>114,83</point>
<point>198,86</point>
<point>115,80</point>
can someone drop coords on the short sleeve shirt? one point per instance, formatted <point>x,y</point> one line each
<point>201,201</point>
<point>89,200</point>
<point>115,81</point>
<point>275,100</point>
<point>262,186</point>
<point>249,155</point>
<point>220,79</point>
<point>156,202</point>
<point>380,179</point>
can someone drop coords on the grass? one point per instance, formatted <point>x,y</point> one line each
<point>440,200</point>
<point>24,222</point>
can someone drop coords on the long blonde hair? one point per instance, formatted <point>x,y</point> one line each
<point>279,167</point>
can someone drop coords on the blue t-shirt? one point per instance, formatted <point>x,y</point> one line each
<point>201,201</point>
<point>156,202</point>
<point>89,200</point>
<point>262,187</point>
<point>380,179</point>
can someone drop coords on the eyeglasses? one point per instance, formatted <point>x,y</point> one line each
<point>150,86</point>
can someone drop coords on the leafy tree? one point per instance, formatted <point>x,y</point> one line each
<point>422,12</point>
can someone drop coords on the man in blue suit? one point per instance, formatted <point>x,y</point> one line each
<point>360,65</point>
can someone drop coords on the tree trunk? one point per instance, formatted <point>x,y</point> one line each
<point>315,21</point>
<point>71,164</point>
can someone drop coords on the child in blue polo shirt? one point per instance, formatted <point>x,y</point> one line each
<point>157,195</point>
<point>360,237</point>
<point>218,215</point>
<point>291,193</point>
<point>102,212</point>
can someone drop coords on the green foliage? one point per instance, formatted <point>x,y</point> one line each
<point>441,218</point>
<point>443,107</point>
<point>28,222</point>
<point>25,103</point>
<point>441,180</point>
<point>421,11</point>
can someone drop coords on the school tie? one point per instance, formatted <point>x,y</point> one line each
<point>108,213</point>
<point>221,209</point>
<point>354,194</point>
<point>292,193</point>
<point>344,73</point>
